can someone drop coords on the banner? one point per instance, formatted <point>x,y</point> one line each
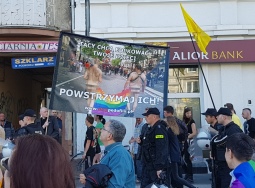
<point>98,76</point>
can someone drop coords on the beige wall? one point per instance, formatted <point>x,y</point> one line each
<point>18,92</point>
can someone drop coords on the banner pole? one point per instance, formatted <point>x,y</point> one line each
<point>200,66</point>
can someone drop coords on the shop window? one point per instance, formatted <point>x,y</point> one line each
<point>183,80</point>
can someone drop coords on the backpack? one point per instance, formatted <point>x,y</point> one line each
<point>94,141</point>
<point>183,136</point>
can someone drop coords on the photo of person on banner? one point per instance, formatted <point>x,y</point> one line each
<point>93,77</point>
<point>137,83</point>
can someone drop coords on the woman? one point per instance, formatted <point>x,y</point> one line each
<point>174,150</point>
<point>192,132</point>
<point>39,161</point>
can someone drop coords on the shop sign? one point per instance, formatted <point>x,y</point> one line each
<point>33,62</point>
<point>28,46</point>
<point>217,52</point>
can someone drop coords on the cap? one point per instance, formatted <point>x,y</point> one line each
<point>29,113</point>
<point>210,112</point>
<point>224,111</point>
<point>229,106</point>
<point>21,117</point>
<point>154,111</point>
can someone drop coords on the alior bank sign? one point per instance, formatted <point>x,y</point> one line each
<point>217,52</point>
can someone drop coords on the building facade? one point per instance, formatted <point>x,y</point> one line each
<point>29,32</point>
<point>228,67</point>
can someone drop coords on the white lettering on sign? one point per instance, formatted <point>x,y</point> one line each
<point>189,55</point>
<point>31,46</point>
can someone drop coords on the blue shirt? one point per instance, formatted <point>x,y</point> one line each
<point>119,160</point>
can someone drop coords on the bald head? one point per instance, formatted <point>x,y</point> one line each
<point>44,112</point>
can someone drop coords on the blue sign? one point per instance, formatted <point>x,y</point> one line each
<point>33,62</point>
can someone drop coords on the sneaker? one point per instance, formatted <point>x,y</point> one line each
<point>127,115</point>
<point>131,114</point>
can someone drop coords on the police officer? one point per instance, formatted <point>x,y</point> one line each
<point>29,126</point>
<point>222,176</point>
<point>154,144</point>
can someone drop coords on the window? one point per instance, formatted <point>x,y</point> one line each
<point>183,80</point>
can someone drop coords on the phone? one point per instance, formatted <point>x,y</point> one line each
<point>4,163</point>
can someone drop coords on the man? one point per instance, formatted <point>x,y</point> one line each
<point>235,118</point>
<point>211,119</point>
<point>28,126</point>
<point>214,128</point>
<point>7,126</point>
<point>89,143</point>
<point>48,123</point>
<point>136,82</point>
<point>136,149</point>
<point>239,151</point>
<point>58,116</point>
<point>249,127</point>
<point>154,148</point>
<point>116,156</point>
<point>93,77</point>
<point>219,146</point>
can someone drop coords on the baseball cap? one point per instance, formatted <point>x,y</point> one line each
<point>224,111</point>
<point>154,111</point>
<point>210,112</point>
<point>29,113</point>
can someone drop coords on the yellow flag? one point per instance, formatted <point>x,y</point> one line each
<point>201,37</point>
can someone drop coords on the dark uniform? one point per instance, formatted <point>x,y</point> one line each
<point>155,153</point>
<point>221,171</point>
<point>52,129</point>
<point>29,129</point>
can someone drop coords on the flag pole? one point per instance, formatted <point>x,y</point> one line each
<point>200,66</point>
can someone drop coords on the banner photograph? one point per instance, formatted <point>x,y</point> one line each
<point>98,76</point>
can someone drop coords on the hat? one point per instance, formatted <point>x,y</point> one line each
<point>21,117</point>
<point>29,113</point>
<point>154,111</point>
<point>229,106</point>
<point>210,112</point>
<point>224,111</point>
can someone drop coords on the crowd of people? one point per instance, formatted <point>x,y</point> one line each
<point>160,151</point>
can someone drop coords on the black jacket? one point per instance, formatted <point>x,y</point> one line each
<point>219,141</point>
<point>29,129</point>
<point>155,147</point>
<point>52,129</point>
<point>8,129</point>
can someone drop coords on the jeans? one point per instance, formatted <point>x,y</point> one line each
<point>177,178</point>
<point>138,167</point>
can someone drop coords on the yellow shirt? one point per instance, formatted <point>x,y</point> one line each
<point>237,121</point>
